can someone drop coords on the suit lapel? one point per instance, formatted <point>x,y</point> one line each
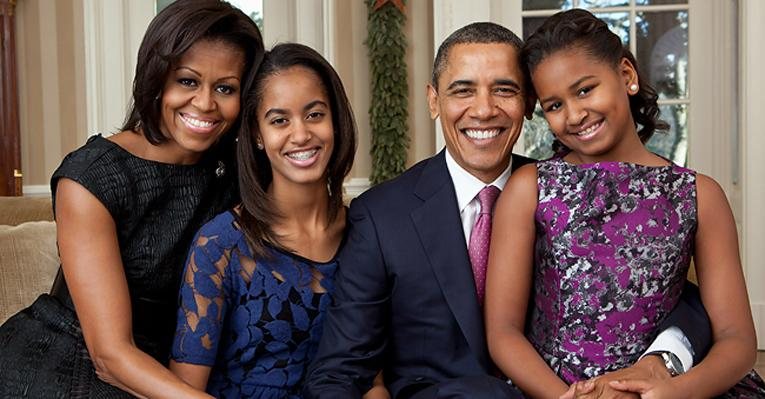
<point>439,227</point>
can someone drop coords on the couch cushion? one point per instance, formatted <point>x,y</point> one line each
<point>28,264</point>
<point>17,210</point>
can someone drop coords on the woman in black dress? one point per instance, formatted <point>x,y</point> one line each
<point>126,209</point>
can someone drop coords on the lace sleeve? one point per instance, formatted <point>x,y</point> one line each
<point>202,302</point>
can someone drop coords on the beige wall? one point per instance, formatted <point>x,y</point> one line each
<point>51,60</point>
<point>51,84</point>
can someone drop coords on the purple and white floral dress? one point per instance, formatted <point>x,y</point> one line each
<point>613,246</point>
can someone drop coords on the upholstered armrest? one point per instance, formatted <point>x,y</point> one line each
<point>28,264</point>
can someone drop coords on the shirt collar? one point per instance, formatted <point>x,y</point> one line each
<point>467,186</point>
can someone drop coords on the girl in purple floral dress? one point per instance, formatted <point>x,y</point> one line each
<point>591,248</point>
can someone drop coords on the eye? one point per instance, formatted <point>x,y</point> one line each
<point>315,115</point>
<point>506,91</point>
<point>278,121</point>
<point>225,89</point>
<point>187,82</point>
<point>462,92</point>
<point>554,106</point>
<point>583,91</point>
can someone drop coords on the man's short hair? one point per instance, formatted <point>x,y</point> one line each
<point>477,32</point>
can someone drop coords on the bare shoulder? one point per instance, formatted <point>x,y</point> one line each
<point>523,179</point>
<point>709,193</point>
<point>522,186</point>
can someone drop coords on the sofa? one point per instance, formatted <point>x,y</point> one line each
<point>28,254</point>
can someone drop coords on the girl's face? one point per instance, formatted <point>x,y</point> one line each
<point>586,103</point>
<point>200,99</point>
<point>295,123</point>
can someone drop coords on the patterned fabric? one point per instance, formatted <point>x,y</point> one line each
<point>157,208</point>
<point>613,246</point>
<point>480,236</point>
<point>256,322</point>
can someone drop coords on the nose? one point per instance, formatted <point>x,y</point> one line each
<point>575,115</point>
<point>484,106</point>
<point>204,100</point>
<point>300,134</point>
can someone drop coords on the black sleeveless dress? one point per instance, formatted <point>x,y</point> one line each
<point>157,208</point>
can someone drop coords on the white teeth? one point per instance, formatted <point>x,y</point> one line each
<point>302,155</point>
<point>589,130</point>
<point>196,122</point>
<point>481,134</point>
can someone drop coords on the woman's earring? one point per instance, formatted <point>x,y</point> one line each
<point>259,145</point>
<point>634,88</point>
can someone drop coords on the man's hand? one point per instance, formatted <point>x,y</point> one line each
<point>649,370</point>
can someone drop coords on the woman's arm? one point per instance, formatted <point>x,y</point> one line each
<point>508,288</point>
<point>90,259</point>
<point>724,295</point>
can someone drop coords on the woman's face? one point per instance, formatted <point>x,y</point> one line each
<point>295,124</point>
<point>200,99</point>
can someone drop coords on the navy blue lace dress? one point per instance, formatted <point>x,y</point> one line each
<point>256,322</point>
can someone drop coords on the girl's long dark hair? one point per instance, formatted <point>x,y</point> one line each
<point>258,212</point>
<point>581,30</point>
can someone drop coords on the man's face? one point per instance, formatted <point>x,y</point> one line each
<point>481,102</point>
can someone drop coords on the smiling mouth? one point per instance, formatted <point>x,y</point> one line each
<point>481,134</point>
<point>590,130</point>
<point>198,123</point>
<point>302,155</point>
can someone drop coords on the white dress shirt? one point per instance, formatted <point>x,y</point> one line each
<point>467,187</point>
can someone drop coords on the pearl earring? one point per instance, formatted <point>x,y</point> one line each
<point>260,145</point>
<point>634,88</point>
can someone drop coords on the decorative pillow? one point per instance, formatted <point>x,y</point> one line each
<point>28,264</point>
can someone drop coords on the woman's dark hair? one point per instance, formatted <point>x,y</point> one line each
<point>258,212</point>
<point>579,29</point>
<point>170,34</point>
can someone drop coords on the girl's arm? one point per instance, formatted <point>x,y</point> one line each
<point>90,259</point>
<point>194,374</point>
<point>724,295</point>
<point>204,293</point>
<point>508,288</point>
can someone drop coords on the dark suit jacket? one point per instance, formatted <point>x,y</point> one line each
<point>404,293</point>
<point>404,296</point>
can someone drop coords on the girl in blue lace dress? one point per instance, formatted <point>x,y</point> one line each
<point>258,278</point>
<point>595,243</point>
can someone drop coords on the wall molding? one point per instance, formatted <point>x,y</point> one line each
<point>352,188</point>
<point>36,190</point>
<point>355,186</point>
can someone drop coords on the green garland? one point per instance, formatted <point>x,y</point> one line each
<point>388,109</point>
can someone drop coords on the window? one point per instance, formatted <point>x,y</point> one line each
<point>253,8</point>
<point>656,31</point>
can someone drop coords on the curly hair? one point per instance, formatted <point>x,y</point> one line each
<point>581,30</point>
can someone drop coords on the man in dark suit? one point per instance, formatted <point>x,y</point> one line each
<point>408,292</point>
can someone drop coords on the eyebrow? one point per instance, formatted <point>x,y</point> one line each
<point>199,74</point>
<point>570,87</point>
<point>306,108</point>
<point>501,82</point>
